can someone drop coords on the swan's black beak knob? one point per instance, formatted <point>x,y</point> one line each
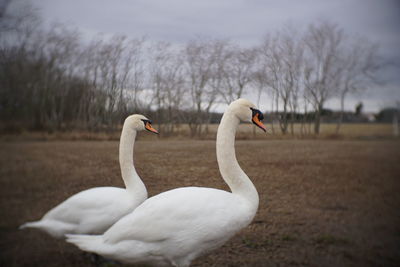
<point>257,117</point>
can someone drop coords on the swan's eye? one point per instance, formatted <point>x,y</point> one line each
<point>256,111</point>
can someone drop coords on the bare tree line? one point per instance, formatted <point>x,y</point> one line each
<point>52,79</point>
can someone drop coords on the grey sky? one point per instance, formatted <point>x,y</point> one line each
<point>244,22</point>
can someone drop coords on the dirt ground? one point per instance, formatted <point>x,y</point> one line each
<point>322,202</point>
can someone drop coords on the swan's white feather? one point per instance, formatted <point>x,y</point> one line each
<point>88,212</point>
<point>203,209</point>
<point>180,222</point>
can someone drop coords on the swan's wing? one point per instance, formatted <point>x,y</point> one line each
<point>181,212</point>
<point>89,204</point>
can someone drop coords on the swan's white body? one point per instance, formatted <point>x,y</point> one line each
<point>94,210</point>
<point>176,226</point>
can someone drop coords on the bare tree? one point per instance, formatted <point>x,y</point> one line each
<point>220,53</point>
<point>92,101</point>
<point>166,82</point>
<point>322,70</point>
<point>118,73</point>
<point>283,63</point>
<point>18,34</point>
<point>359,64</point>
<point>19,29</point>
<point>237,70</point>
<point>60,51</point>
<point>199,62</point>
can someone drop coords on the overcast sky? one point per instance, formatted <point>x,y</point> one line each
<point>243,21</point>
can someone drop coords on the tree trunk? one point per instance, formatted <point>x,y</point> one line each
<point>317,122</point>
<point>292,119</point>
<point>340,120</point>
<point>284,119</point>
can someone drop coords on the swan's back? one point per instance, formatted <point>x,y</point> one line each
<point>91,211</point>
<point>80,203</point>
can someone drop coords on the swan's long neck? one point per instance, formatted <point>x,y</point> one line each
<point>132,181</point>
<point>233,175</point>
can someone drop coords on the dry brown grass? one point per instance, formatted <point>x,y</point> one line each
<point>245,132</point>
<point>348,130</point>
<point>322,202</point>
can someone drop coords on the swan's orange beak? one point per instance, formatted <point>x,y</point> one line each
<point>257,122</point>
<point>150,128</point>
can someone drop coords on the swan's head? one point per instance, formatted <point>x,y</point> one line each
<point>139,123</point>
<point>247,112</point>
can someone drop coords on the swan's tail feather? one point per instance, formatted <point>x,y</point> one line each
<point>89,243</point>
<point>36,224</point>
<point>54,228</point>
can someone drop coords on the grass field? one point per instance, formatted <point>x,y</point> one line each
<point>322,202</point>
<point>328,131</point>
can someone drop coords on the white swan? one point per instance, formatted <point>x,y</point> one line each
<point>176,226</point>
<point>94,210</point>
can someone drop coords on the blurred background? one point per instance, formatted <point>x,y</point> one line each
<point>325,74</point>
